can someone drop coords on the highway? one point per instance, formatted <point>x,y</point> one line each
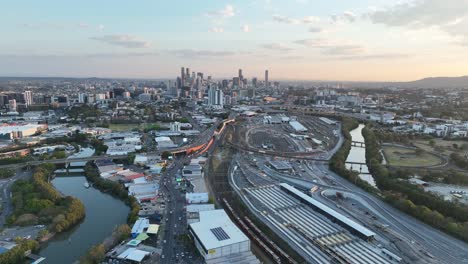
<point>200,141</point>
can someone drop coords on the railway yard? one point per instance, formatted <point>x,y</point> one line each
<point>280,172</point>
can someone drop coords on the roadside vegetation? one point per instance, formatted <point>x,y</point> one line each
<point>6,173</point>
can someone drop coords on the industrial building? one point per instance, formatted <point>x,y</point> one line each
<point>298,127</point>
<point>219,240</point>
<point>303,220</point>
<point>196,198</point>
<point>19,131</point>
<point>342,220</point>
<point>193,211</point>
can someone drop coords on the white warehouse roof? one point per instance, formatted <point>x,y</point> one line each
<point>343,219</point>
<point>297,126</point>
<point>216,230</point>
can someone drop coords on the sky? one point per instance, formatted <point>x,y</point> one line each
<point>343,40</point>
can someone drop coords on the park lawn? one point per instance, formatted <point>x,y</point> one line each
<point>398,156</point>
<point>123,127</point>
<point>130,127</point>
<point>441,146</point>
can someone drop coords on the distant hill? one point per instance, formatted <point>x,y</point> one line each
<point>436,82</point>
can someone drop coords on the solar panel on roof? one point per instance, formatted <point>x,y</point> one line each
<point>219,233</point>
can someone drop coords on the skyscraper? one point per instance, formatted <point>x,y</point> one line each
<point>182,76</point>
<point>240,74</point>
<point>215,96</point>
<point>28,98</point>
<point>266,79</point>
<point>12,105</point>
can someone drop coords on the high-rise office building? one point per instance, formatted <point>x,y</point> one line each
<point>28,97</point>
<point>240,74</point>
<point>12,105</point>
<point>254,82</point>
<point>266,79</point>
<point>182,76</point>
<point>215,96</point>
<point>82,98</point>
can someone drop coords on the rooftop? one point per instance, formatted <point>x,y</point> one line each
<point>216,230</point>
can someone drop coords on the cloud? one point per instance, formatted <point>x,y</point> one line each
<point>217,30</point>
<point>343,50</point>
<point>126,41</point>
<point>449,16</point>
<point>386,56</point>
<point>334,48</point>
<point>122,54</point>
<point>310,20</point>
<point>227,11</point>
<point>277,47</point>
<point>346,16</point>
<point>292,57</point>
<point>286,20</point>
<point>315,29</point>
<point>314,43</point>
<point>191,53</point>
<point>83,25</point>
<point>349,16</point>
<point>245,28</point>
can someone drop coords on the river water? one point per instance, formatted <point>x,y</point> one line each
<point>358,154</point>
<point>103,214</point>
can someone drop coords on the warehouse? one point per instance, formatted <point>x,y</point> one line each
<point>20,131</point>
<point>217,238</point>
<point>298,127</point>
<point>193,211</point>
<point>196,198</point>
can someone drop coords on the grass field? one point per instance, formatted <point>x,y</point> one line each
<point>445,147</point>
<point>123,127</point>
<point>398,156</point>
<point>129,127</point>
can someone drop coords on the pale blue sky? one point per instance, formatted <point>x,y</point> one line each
<point>294,39</point>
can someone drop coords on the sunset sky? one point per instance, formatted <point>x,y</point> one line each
<point>358,40</point>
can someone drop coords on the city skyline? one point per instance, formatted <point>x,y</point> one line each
<point>367,40</point>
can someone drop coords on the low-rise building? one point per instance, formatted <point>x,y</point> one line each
<point>219,240</point>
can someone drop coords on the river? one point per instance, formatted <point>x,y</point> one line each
<point>103,214</point>
<point>358,154</point>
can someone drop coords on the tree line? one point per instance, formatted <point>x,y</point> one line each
<point>338,161</point>
<point>114,188</point>
<point>450,217</point>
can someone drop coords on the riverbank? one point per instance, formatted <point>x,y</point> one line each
<point>338,161</point>
<point>103,214</point>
